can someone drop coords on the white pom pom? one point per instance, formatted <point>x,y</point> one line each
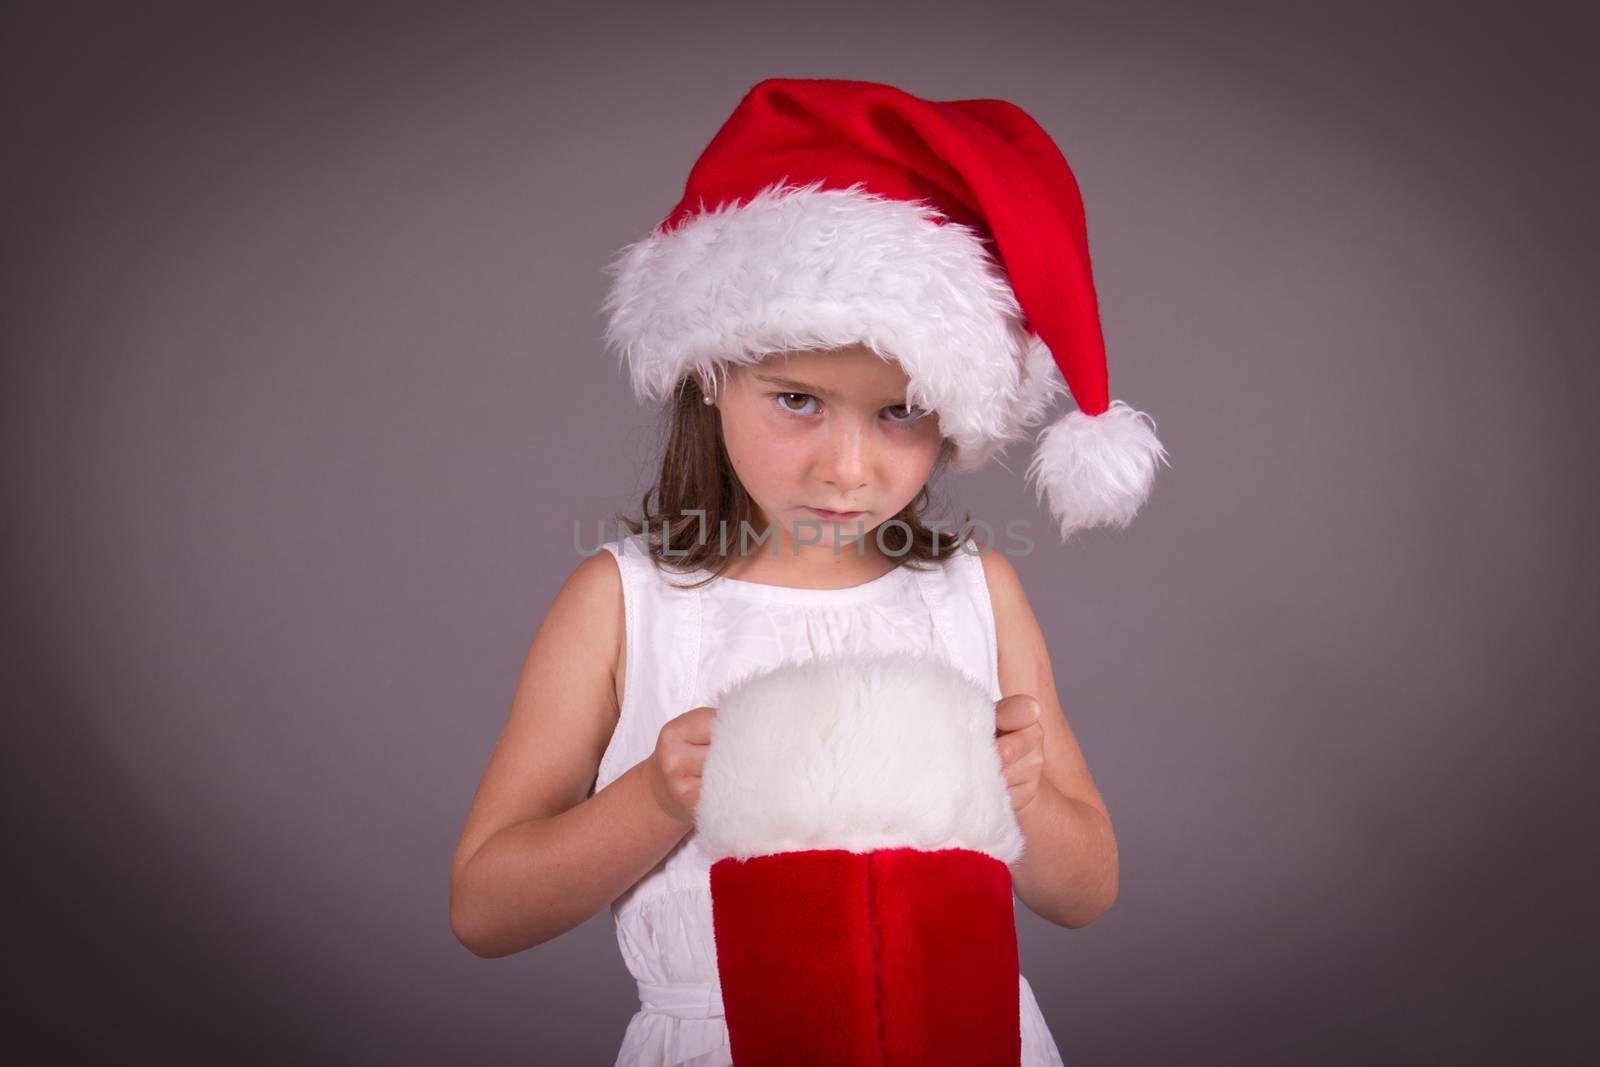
<point>1096,470</point>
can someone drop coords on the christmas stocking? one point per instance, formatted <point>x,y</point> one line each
<point>861,835</point>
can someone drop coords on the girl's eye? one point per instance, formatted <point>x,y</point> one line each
<point>912,414</point>
<point>783,402</point>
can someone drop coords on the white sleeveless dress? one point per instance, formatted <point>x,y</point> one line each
<point>683,647</point>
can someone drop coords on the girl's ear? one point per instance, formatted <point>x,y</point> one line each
<point>719,381</point>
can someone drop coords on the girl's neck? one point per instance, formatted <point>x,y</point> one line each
<point>816,567</point>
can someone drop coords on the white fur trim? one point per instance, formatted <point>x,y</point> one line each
<point>1096,470</point>
<point>855,753</point>
<point>802,267</point>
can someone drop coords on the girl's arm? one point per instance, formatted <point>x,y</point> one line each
<point>1069,872</point>
<point>536,858</point>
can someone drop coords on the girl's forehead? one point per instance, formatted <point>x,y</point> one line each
<point>854,365</point>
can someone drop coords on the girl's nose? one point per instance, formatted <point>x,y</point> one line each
<point>845,464</point>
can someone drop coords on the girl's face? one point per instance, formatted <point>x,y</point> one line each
<point>825,429</point>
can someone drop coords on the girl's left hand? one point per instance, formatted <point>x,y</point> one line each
<point>1020,740</point>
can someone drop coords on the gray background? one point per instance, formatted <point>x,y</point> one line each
<point>304,391</point>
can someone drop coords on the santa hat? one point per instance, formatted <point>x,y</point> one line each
<point>861,832</point>
<point>948,236</point>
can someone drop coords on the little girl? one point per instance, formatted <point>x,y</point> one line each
<point>857,287</point>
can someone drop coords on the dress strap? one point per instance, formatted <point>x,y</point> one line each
<point>957,595</point>
<point>982,619</point>
<point>663,659</point>
<point>934,584</point>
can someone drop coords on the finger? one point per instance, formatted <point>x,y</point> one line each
<point>697,726</point>
<point>1015,775</point>
<point>1010,749</point>
<point>1002,715</point>
<point>1016,712</point>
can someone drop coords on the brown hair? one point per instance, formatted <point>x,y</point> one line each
<point>696,475</point>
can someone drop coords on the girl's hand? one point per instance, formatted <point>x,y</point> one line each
<point>676,765</point>
<point>1020,740</point>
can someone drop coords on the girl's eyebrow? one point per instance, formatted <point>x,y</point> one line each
<point>802,387</point>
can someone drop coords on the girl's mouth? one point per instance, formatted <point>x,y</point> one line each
<point>836,516</point>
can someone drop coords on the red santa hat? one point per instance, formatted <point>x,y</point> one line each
<point>861,836</point>
<point>948,236</point>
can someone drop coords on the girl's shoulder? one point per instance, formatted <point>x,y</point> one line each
<point>1004,586</point>
<point>638,565</point>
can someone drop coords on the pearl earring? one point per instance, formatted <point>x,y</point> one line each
<point>708,400</point>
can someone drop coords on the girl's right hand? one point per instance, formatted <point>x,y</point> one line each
<point>677,762</point>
